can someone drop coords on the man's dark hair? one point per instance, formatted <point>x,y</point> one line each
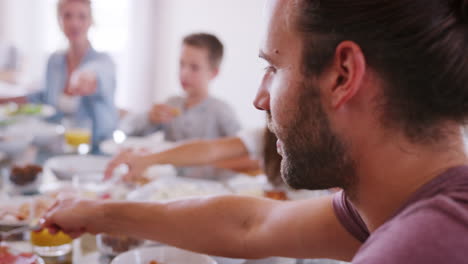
<point>418,47</point>
<point>208,42</point>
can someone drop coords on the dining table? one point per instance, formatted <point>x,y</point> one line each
<point>84,249</point>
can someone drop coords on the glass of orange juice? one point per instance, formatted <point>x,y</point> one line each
<point>77,135</point>
<point>43,242</point>
<point>46,244</point>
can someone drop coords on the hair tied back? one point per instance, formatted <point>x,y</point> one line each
<point>461,9</point>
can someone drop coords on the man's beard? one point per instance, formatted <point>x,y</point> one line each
<point>314,157</point>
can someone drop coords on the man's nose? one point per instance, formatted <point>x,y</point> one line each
<point>262,100</point>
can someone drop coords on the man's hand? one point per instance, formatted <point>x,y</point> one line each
<point>136,162</point>
<point>82,83</point>
<point>73,217</point>
<point>162,113</point>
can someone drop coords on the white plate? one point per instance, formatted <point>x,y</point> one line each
<point>110,147</point>
<point>10,90</point>
<point>47,111</point>
<point>164,255</point>
<point>44,133</point>
<point>165,189</point>
<point>13,143</point>
<point>65,167</point>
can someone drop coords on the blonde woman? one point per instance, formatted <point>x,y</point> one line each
<point>80,81</point>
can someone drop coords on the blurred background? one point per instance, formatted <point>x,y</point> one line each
<point>144,39</point>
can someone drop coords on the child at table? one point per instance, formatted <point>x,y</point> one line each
<point>196,114</point>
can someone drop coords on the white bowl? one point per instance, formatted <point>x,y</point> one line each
<point>43,133</point>
<point>13,144</point>
<point>174,188</point>
<point>169,255</point>
<point>152,144</point>
<point>65,167</point>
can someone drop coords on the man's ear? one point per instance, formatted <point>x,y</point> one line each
<point>214,72</point>
<point>348,71</point>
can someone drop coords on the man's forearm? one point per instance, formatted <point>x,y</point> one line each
<point>214,226</point>
<point>230,226</point>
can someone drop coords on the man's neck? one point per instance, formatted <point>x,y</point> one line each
<point>391,172</point>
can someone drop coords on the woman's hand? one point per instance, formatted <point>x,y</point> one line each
<point>82,83</point>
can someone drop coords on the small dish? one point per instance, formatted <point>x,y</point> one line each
<point>169,255</point>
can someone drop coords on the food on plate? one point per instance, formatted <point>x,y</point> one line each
<point>27,109</point>
<point>13,214</point>
<point>22,176</point>
<point>276,195</point>
<point>178,190</point>
<point>140,181</point>
<point>154,262</point>
<point>116,244</point>
<point>9,257</point>
<point>21,212</point>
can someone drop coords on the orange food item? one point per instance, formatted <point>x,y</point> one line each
<point>176,112</point>
<point>154,262</point>
<point>276,195</point>
<point>45,239</point>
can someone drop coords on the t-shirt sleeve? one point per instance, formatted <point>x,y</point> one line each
<point>229,125</point>
<point>433,231</point>
<point>349,217</point>
<point>254,141</point>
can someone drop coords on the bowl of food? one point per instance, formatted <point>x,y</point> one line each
<point>24,180</point>
<point>113,245</point>
<point>9,255</point>
<point>65,167</point>
<point>162,255</point>
<point>167,189</point>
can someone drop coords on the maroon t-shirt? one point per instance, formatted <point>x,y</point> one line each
<point>430,228</point>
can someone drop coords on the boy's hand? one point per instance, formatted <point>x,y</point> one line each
<point>162,113</point>
<point>135,161</point>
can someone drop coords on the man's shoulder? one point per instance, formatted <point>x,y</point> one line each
<point>432,230</point>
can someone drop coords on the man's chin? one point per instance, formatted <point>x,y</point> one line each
<point>302,182</point>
